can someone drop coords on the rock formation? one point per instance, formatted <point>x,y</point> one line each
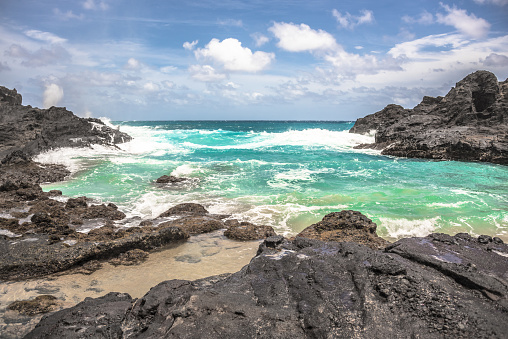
<point>33,130</point>
<point>470,123</point>
<point>433,287</point>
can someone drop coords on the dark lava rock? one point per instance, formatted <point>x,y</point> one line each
<point>35,255</point>
<point>305,288</point>
<point>170,179</point>
<point>185,209</point>
<point>109,212</point>
<point>247,231</point>
<point>132,257</point>
<point>196,224</point>
<point>105,315</point>
<point>345,226</point>
<point>33,130</point>
<point>470,123</point>
<point>41,304</point>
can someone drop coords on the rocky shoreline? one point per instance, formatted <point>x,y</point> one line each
<point>336,278</point>
<point>470,123</point>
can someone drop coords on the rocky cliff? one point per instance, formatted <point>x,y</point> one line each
<point>433,287</point>
<point>33,130</point>
<point>470,123</point>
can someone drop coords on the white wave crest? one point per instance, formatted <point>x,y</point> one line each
<point>403,228</point>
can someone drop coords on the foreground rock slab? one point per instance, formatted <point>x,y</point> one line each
<point>470,123</point>
<point>431,287</point>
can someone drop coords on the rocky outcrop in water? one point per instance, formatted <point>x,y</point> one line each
<point>470,123</point>
<point>433,287</point>
<point>33,130</point>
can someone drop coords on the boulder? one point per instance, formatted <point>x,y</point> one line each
<point>41,304</point>
<point>341,226</point>
<point>185,209</point>
<point>169,179</point>
<point>245,231</point>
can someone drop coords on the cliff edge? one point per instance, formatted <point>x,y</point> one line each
<point>470,123</point>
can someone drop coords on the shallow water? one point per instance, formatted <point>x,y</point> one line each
<point>287,175</point>
<point>201,256</point>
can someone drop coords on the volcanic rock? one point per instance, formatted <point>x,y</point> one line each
<point>169,179</point>
<point>470,123</point>
<point>185,209</point>
<point>33,130</point>
<point>41,304</point>
<point>245,230</point>
<point>433,287</point>
<point>345,226</point>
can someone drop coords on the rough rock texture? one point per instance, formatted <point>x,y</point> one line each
<point>245,230</point>
<point>185,209</point>
<point>470,123</point>
<point>39,255</point>
<point>345,226</point>
<point>40,304</point>
<point>433,287</point>
<point>169,179</point>
<point>33,130</point>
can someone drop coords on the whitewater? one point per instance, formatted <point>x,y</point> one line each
<point>287,175</point>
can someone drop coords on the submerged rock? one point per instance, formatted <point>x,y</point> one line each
<point>307,288</point>
<point>41,304</point>
<point>169,179</point>
<point>470,123</point>
<point>345,226</point>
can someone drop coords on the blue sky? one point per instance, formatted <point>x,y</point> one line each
<point>302,60</point>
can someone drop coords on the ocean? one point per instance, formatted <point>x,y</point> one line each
<point>286,174</point>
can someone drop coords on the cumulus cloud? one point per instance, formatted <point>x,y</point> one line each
<point>205,73</point>
<point>494,60</point>
<point>260,39</point>
<point>351,21</point>
<point>151,87</point>
<point>94,6</point>
<point>231,56</point>
<point>190,45</point>
<point>301,38</point>
<point>495,2</point>
<point>133,64</point>
<point>467,24</point>
<point>45,36</point>
<point>52,95</point>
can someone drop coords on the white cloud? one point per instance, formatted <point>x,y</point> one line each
<point>301,38</point>
<point>495,2</point>
<point>494,60</point>
<point>150,87</point>
<point>92,5</point>
<point>231,56</point>
<point>230,22</point>
<point>205,73</point>
<point>260,39</point>
<point>69,15</point>
<point>425,18</point>
<point>351,21</point>
<point>190,45</point>
<point>133,64</point>
<point>168,69</point>
<point>52,95</point>
<point>414,49</point>
<point>469,25</point>
<point>41,57</point>
<point>45,36</point>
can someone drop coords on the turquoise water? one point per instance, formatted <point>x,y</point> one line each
<point>287,175</point>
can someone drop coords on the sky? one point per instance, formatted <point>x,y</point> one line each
<point>245,60</point>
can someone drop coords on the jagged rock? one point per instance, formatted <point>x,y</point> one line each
<point>345,226</point>
<point>33,130</point>
<point>41,304</point>
<point>470,123</point>
<point>307,288</point>
<point>245,231</point>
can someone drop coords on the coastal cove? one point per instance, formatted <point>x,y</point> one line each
<point>287,175</point>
